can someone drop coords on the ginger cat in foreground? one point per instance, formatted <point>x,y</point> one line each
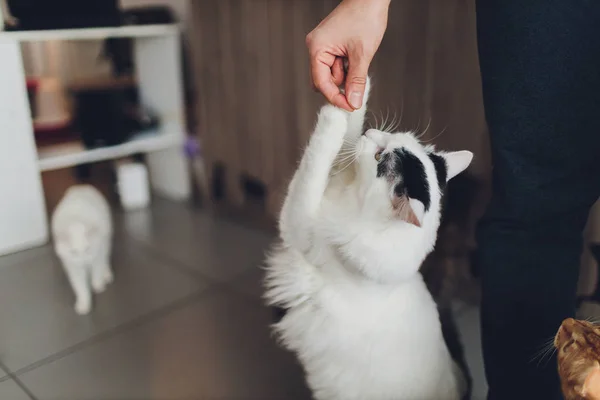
<point>578,346</point>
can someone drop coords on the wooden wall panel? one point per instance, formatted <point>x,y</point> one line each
<point>256,104</point>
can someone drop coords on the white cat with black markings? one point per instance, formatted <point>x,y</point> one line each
<point>82,231</point>
<point>353,237</point>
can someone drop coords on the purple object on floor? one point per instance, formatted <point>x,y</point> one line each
<point>192,147</point>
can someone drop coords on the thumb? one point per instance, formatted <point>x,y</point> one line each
<point>356,80</point>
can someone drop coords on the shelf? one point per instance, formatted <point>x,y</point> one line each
<point>91,33</point>
<point>73,153</point>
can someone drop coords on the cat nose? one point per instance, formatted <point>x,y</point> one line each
<point>371,133</point>
<point>568,324</point>
<point>566,330</point>
<point>562,336</point>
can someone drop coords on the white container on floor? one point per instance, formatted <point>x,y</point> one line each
<point>133,186</point>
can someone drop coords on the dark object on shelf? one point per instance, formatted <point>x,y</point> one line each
<point>120,50</point>
<point>108,113</point>
<point>120,53</point>
<point>63,14</point>
<point>148,15</point>
<point>83,173</point>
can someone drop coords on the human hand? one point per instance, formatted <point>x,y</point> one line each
<point>352,31</point>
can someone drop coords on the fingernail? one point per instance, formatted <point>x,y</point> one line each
<point>355,99</point>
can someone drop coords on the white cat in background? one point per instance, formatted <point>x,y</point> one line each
<point>360,216</point>
<point>82,230</point>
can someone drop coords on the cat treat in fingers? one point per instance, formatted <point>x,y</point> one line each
<point>361,214</point>
<point>578,351</point>
<point>82,232</point>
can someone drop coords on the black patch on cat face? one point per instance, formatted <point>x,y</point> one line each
<point>441,169</point>
<point>414,180</point>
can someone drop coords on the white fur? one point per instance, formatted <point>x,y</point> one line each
<point>360,318</point>
<point>82,231</point>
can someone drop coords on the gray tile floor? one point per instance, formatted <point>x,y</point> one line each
<point>183,319</point>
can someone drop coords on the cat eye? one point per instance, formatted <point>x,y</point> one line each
<point>378,155</point>
<point>568,344</point>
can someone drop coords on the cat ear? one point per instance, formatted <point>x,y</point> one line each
<point>457,162</point>
<point>418,210</point>
<point>409,210</point>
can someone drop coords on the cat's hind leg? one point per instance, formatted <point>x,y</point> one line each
<point>99,280</point>
<point>78,278</point>
<point>101,271</point>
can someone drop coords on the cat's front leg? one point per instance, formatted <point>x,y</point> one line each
<point>307,188</point>
<point>78,278</point>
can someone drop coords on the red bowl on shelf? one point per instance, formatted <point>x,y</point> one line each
<point>53,132</point>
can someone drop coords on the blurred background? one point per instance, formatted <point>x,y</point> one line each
<point>190,117</point>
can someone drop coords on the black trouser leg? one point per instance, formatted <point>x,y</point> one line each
<point>540,70</point>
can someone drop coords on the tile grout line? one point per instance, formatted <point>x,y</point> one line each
<point>139,321</point>
<point>11,377</point>
<point>176,264</point>
<point>184,268</point>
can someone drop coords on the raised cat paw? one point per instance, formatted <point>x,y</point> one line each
<point>331,111</point>
<point>334,116</point>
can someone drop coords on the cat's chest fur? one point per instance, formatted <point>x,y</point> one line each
<point>359,331</point>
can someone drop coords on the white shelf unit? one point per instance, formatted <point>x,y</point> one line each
<point>134,31</point>
<point>65,155</point>
<point>23,220</point>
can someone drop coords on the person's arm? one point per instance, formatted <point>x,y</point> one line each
<point>353,30</point>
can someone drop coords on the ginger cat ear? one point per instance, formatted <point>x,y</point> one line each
<point>591,386</point>
<point>457,162</point>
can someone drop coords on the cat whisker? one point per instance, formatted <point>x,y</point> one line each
<point>347,155</point>
<point>546,354</point>
<point>401,113</point>
<point>392,125</point>
<point>339,161</point>
<point>376,120</point>
<point>418,125</point>
<point>593,320</point>
<point>419,136</point>
<point>388,125</point>
<point>344,168</point>
<point>384,119</point>
<point>349,144</point>
<point>345,151</point>
<point>546,347</point>
<point>346,161</point>
<point>436,136</point>
<point>395,125</point>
